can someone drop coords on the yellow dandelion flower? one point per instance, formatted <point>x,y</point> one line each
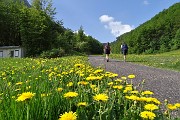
<point>70,94</point>
<point>171,107</point>
<point>123,77</point>
<point>151,107</point>
<point>68,116</point>
<point>110,83</point>
<point>82,104</point>
<point>92,86</point>
<point>147,93</point>
<point>100,97</point>
<point>134,92</point>
<point>79,65</point>
<point>132,97</point>
<point>25,96</point>
<point>98,71</point>
<point>82,83</point>
<point>3,74</point>
<point>177,105</point>
<point>127,89</point>
<point>118,80</point>
<point>119,87</point>
<point>70,84</point>
<point>131,76</point>
<point>81,74</point>
<point>19,83</point>
<point>9,83</point>
<point>147,115</point>
<point>155,100</point>
<point>59,89</point>
<point>95,89</point>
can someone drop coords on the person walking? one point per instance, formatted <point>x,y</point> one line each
<point>107,50</point>
<point>124,49</point>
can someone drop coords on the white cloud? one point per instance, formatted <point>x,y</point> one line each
<point>145,2</point>
<point>106,18</point>
<point>116,27</point>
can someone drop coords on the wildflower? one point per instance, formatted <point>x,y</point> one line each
<point>128,88</point>
<point>132,97</point>
<point>98,71</point>
<point>59,89</point>
<point>134,92</point>
<point>9,83</point>
<point>147,115</point>
<point>25,96</point>
<point>123,77</point>
<point>95,89</point>
<point>82,83</point>
<point>82,104</point>
<point>151,107</point>
<point>68,116</point>
<point>81,74</point>
<point>100,97</point>
<point>131,76</point>
<point>79,65</point>
<point>118,80</point>
<point>110,83</point>
<point>171,107</point>
<point>19,83</point>
<point>147,93</point>
<point>118,87</point>
<point>177,105</point>
<point>92,86</point>
<point>70,84</point>
<point>70,94</point>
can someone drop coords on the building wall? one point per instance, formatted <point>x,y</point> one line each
<point>11,52</point>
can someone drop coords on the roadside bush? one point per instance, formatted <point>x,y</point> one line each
<point>54,53</point>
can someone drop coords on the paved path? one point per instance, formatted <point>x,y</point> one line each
<point>164,83</point>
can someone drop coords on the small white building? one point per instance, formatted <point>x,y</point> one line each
<point>11,51</point>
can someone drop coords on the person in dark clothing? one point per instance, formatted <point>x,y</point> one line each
<point>107,50</point>
<point>124,49</point>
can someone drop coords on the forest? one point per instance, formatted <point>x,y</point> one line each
<point>157,35</point>
<point>35,29</point>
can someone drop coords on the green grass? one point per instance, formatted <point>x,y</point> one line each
<point>168,60</point>
<point>35,89</point>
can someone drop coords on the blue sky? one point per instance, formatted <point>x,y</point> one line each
<point>107,19</point>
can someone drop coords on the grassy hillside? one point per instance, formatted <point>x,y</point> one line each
<point>158,35</point>
<point>168,60</point>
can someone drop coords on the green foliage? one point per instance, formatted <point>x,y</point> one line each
<point>35,29</point>
<point>159,34</point>
<point>54,53</point>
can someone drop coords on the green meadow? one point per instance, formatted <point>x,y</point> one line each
<point>68,88</point>
<point>168,60</point>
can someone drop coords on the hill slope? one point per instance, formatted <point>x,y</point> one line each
<point>159,34</point>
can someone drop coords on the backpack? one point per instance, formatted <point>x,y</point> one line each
<point>107,47</point>
<point>124,47</point>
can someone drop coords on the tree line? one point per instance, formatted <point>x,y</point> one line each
<point>157,35</point>
<point>35,29</point>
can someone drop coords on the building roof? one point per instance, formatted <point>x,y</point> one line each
<point>9,47</point>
